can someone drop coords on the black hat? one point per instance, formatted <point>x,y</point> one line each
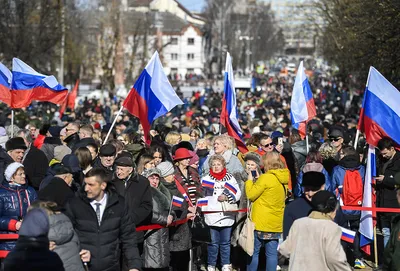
<point>336,131</point>
<point>324,201</point>
<point>124,162</point>
<point>313,179</point>
<point>60,169</point>
<point>55,131</point>
<point>16,143</point>
<point>107,150</point>
<point>183,144</point>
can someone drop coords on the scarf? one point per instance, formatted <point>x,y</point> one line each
<point>319,215</point>
<point>218,176</point>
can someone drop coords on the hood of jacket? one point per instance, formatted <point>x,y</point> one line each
<point>281,174</point>
<point>313,167</point>
<point>134,148</point>
<point>350,161</point>
<point>61,229</point>
<point>300,147</point>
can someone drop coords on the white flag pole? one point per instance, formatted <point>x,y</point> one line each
<point>113,124</point>
<point>12,123</point>
<point>356,139</point>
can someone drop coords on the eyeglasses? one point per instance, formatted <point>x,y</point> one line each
<point>267,145</point>
<point>335,138</point>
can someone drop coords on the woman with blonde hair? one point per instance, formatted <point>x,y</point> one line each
<point>268,195</point>
<point>146,162</point>
<point>173,138</point>
<point>328,153</point>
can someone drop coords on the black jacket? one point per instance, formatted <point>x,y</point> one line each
<point>386,189</point>
<point>72,140</point>
<point>5,160</point>
<point>138,199</point>
<point>83,143</point>
<point>97,164</point>
<point>57,191</point>
<point>33,254</point>
<point>36,166</point>
<point>104,241</point>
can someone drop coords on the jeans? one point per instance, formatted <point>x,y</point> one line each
<point>354,226</point>
<point>271,254</point>
<point>386,235</point>
<point>220,242</point>
<point>386,220</point>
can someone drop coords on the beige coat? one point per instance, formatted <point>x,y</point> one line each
<point>313,244</point>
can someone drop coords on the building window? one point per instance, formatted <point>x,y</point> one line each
<point>190,41</point>
<point>190,70</point>
<point>190,56</point>
<point>174,41</point>
<point>174,56</point>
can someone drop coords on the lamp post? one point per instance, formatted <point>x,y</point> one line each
<point>247,51</point>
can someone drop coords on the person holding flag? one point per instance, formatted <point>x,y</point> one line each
<point>222,193</point>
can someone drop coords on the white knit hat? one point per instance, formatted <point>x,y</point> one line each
<point>11,169</point>
<point>166,168</point>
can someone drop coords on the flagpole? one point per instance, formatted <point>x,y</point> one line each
<point>307,146</point>
<point>356,139</point>
<point>113,124</point>
<point>170,206</point>
<point>375,248</point>
<point>12,123</point>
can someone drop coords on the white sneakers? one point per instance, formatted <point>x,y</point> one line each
<point>225,267</point>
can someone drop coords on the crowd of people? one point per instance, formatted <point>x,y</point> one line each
<point>79,202</point>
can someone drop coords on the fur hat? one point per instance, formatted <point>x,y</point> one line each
<point>11,169</point>
<point>16,143</point>
<point>60,152</point>
<point>252,156</point>
<point>152,171</point>
<point>166,168</point>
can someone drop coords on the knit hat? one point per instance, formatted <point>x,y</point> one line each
<point>60,152</point>
<point>166,168</point>
<point>152,171</point>
<point>35,223</point>
<point>313,179</point>
<point>107,150</point>
<point>11,169</point>
<point>16,143</point>
<point>195,158</point>
<point>252,156</point>
<point>324,201</point>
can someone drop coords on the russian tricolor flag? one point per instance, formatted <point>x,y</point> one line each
<point>229,116</point>
<point>302,107</point>
<point>177,201</point>
<point>202,202</point>
<point>28,85</point>
<point>380,113</point>
<point>208,184</point>
<point>152,96</point>
<point>348,235</point>
<point>230,187</point>
<point>5,84</point>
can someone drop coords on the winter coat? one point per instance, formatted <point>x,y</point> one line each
<point>268,195</point>
<point>391,259</point>
<point>56,191</point>
<point>313,167</point>
<point>349,162</point>
<point>72,140</point>
<point>36,165</point>
<point>5,160</point>
<point>14,202</point>
<point>386,189</point>
<point>156,242</point>
<point>179,236</point>
<point>233,164</point>
<point>300,152</point>
<point>49,175</point>
<point>110,170</point>
<point>33,254</point>
<point>222,219</point>
<point>48,147</point>
<point>196,188</point>
<point>314,244</point>
<point>104,240</point>
<point>83,143</point>
<point>67,243</point>
<point>138,199</point>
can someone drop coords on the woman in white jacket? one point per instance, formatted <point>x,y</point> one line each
<point>222,193</point>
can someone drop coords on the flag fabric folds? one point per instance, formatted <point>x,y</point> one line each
<point>348,235</point>
<point>177,201</point>
<point>230,188</point>
<point>152,95</point>
<point>202,202</point>
<point>72,96</point>
<point>208,184</point>
<point>229,115</point>
<point>28,85</point>
<point>5,84</point>
<point>302,107</point>
<point>380,113</point>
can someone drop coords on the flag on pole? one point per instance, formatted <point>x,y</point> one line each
<point>72,96</point>
<point>5,84</point>
<point>230,188</point>
<point>229,115</point>
<point>380,112</point>
<point>202,202</point>
<point>152,96</point>
<point>177,201</point>
<point>302,107</point>
<point>208,183</point>
<point>63,106</point>
<point>28,85</point>
<point>348,235</point>
<point>367,217</point>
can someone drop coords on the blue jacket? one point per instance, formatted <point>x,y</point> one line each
<point>338,173</point>
<point>315,167</point>
<point>14,202</point>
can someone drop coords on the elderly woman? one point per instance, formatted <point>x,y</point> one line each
<point>222,192</point>
<point>15,198</point>
<point>268,194</point>
<point>223,145</point>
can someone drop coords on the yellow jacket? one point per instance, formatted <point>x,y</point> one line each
<point>268,196</point>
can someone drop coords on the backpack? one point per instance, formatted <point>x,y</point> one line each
<point>352,194</point>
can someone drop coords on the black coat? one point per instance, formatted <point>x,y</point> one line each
<point>72,140</point>
<point>5,160</point>
<point>110,171</point>
<point>138,199</point>
<point>36,166</point>
<point>386,189</point>
<point>104,241</point>
<point>83,143</point>
<point>57,191</point>
<point>33,254</point>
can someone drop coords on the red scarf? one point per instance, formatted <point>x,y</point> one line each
<point>218,176</point>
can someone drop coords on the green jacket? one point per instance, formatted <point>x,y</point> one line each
<point>391,259</point>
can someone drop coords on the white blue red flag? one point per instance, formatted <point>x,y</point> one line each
<point>302,107</point>
<point>5,84</point>
<point>152,95</point>
<point>177,201</point>
<point>367,217</point>
<point>28,85</point>
<point>231,189</point>
<point>208,183</point>
<point>229,115</point>
<point>380,113</point>
<point>348,235</point>
<point>202,202</point>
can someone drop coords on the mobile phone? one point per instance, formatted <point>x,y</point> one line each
<point>254,173</point>
<point>280,141</point>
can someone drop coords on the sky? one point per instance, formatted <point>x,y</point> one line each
<point>193,5</point>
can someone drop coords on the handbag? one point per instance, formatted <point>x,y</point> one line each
<point>201,232</point>
<point>246,236</point>
<point>229,207</point>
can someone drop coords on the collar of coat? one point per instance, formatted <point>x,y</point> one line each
<point>319,215</point>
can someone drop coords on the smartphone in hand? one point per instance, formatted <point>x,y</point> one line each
<point>254,173</point>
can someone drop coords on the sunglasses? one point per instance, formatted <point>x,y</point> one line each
<point>335,138</point>
<point>267,145</point>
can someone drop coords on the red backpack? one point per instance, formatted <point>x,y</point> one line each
<point>353,190</point>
